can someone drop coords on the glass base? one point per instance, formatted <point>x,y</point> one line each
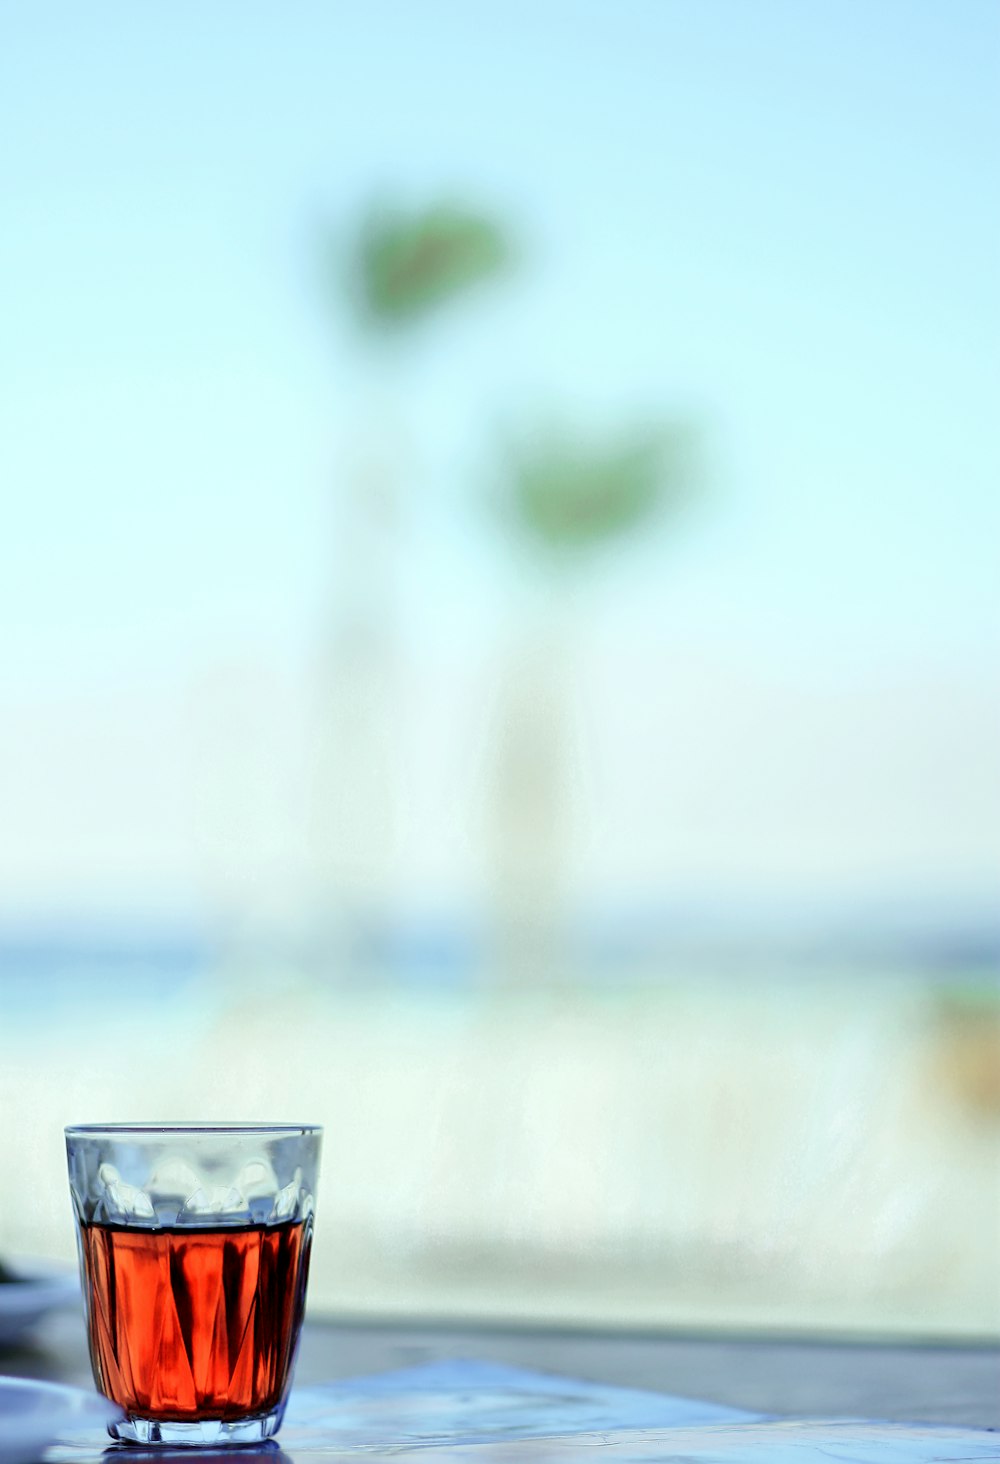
<point>213,1431</point>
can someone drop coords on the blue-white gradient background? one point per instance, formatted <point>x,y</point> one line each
<point>780,217</point>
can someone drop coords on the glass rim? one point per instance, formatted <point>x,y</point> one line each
<point>223,1130</point>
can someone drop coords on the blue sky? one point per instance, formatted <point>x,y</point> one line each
<point>780,217</point>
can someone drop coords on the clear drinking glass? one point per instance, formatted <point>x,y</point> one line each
<point>194,1248</point>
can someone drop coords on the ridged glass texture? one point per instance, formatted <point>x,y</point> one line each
<point>194,1251</point>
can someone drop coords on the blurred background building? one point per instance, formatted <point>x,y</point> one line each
<point>500,627</point>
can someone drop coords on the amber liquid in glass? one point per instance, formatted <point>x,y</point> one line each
<point>188,1325</point>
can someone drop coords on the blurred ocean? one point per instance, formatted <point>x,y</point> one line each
<point>778,1144</point>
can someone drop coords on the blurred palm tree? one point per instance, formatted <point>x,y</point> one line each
<point>572,501</point>
<point>399,270</point>
<point>571,497</point>
<point>407,266</point>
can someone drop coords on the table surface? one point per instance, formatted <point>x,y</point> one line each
<point>804,1377</point>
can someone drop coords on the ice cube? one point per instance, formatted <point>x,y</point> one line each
<point>172,1179</point>
<point>257,1179</point>
<point>121,1201</point>
<point>196,1204</point>
<point>286,1201</point>
<point>233,1205</point>
<point>221,1200</point>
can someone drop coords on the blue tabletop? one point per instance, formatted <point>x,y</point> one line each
<point>450,1411</point>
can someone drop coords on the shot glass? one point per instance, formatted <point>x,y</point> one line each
<point>194,1246</point>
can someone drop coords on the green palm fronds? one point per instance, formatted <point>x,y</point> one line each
<point>409,263</point>
<point>567,494</point>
